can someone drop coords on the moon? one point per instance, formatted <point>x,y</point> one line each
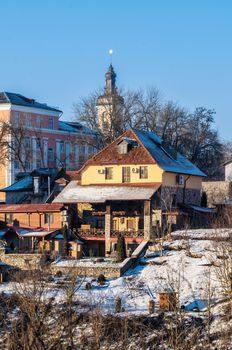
<point>110,51</point>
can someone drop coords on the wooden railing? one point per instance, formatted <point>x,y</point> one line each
<point>94,232</point>
<point>129,234</point>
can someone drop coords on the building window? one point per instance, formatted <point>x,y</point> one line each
<point>38,164</point>
<point>16,118</point>
<point>27,165</point>
<point>16,164</point>
<point>27,142</point>
<point>28,120</point>
<point>51,123</point>
<point>82,149</point>
<point>109,173</point>
<point>38,142</point>
<point>62,146</point>
<point>125,174</point>
<point>143,172</point>
<point>90,149</point>
<point>50,154</point>
<point>48,218</point>
<point>39,122</point>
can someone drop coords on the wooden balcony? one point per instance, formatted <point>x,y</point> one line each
<point>94,232</point>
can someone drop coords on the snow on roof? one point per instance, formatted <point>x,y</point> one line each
<point>38,233</point>
<point>75,127</point>
<point>165,155</point>
<point>74,193</point>
<point>18,99</point>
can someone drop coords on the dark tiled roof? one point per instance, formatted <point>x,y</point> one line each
<point>20,100</point>
<point>74,127</point>
<point>166,157</point>
<point>24,184</point>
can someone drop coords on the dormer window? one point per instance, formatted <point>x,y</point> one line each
<point>126,144</point>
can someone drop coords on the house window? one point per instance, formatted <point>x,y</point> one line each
<point>27,142</point>
<point>115,224</point>
<point>9,218</point>
<point>48,218</point>
<point>125,174</point>
<point>143,172</point>
<point>51,123</point>
<point>16,164</point>
<point>62,146</point>
<point>109,173</point>
<point>50,154</point>
<point>130,224</point>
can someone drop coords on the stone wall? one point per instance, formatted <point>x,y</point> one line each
<point>94,271</point>
<point>192,196</point>
<point>217,191</point>
<point>23,261</point>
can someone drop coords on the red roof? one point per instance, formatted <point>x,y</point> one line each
<point>30,208</point>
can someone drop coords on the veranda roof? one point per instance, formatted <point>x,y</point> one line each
<point>74,193</point>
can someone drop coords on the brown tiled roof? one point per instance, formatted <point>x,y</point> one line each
<point>110,154</point>
<point>30,208</point>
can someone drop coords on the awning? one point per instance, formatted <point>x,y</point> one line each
<point>74,193</point>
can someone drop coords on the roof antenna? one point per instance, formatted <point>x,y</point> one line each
<point>111,53</point>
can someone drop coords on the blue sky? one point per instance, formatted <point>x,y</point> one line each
<point>56,50</point>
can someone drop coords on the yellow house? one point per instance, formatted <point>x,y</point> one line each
<point>132,186</point>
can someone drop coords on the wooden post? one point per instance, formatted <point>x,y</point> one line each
<point>108,222</point>
<point>40,220</point>
<point>118,304</point>
<point>29,219</point>
<point>151,306</point>
<point>147,220</point>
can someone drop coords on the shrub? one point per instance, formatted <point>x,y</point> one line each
<point>101,279</point>
<point>121,248</point>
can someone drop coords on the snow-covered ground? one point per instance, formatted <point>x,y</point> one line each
<point>187,266</point>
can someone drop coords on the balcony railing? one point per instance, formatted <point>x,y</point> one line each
<point>93,232</point>
<point>128,234</point>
